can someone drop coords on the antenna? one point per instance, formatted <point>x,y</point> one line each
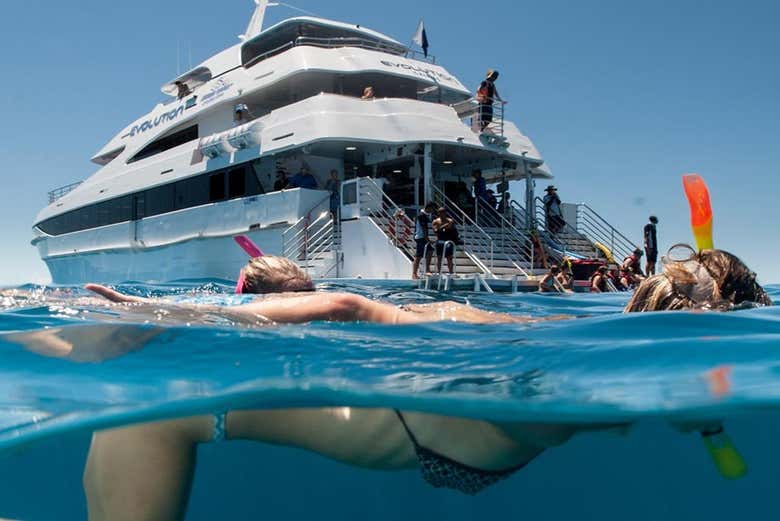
<point>256,23</point>
<point>178,60</point>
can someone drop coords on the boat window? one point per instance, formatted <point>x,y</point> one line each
<point>217,187</point>
<point>160,200</point>
<point>308,33</point>
<point>192,192</point>
<point>166,143</point>
<point>237,183</point>
<point>198,190</point>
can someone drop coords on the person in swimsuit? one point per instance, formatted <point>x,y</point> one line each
<point>550,283</point>
<point>144,472</point>
<point>446,238</point>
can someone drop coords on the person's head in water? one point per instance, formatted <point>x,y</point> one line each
<point>270,274</point>
<point>710,279</point>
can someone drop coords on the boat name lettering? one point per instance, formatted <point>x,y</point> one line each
<point>152,123</point>
<point>430,73</point>
<point>217,91</point>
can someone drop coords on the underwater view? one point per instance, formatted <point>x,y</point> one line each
<point>634,390</point>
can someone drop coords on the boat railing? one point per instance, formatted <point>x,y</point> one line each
<point>391,218</point>
<point>335,43</point>
<point>478,245</point>
<point>512,241</point>
<point>598,229</point>
<point>60,192</point>
<point>470,112</point>
<point>312,238</point>
<point>589,224</point>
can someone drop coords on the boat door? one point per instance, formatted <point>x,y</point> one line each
<point>350,199</point>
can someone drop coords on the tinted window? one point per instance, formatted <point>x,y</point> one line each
<point>192,192</point>
<point>166,143</point>
<point>198,190</point>
<point>217,187</point>
<point>237,183</point>
<point>160,200</point>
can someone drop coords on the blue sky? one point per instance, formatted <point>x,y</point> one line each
<point>620,97</point>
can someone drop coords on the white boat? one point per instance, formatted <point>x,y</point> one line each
<point>176,186</point>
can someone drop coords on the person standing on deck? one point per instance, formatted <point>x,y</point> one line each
<point>486,95</point>
<point>651,245</point>
<point>552,210</point>
<point>446,238</point>
<point>421,224</point>
<point>333,185</point>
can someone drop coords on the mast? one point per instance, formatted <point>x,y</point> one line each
<point>256,23</point>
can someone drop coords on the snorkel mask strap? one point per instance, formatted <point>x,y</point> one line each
<point>697,283</point>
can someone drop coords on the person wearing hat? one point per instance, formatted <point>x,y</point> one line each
<point>486,94</point>
<point>651,245</point>
<point>552,210</point>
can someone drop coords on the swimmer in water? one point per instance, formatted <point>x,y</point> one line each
<point>709,279</point>
<point>143,472</point>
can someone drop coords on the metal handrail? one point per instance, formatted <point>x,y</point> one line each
<point>556,238</point>
<point>390,213</point>
<point>617,239</point>
<point>62,191</point>
<point>592,227</point>
<point>470,108</point>
<point>519,241</point>
<point>485,241</point>
<point>336,43</point>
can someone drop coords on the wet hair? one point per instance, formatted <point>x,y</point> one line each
<point>710,279</point>
<point>271,274</point>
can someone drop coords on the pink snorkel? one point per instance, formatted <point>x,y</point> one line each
<point>253,251</point>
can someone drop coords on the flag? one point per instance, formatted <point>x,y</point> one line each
<point>421,38</point>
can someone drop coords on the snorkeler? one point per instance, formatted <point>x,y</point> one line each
<point>155,461</point>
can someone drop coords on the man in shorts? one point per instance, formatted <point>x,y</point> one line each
<point>424,249</point>
<point>651,245</point>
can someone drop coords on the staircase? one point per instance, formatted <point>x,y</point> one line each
<point>399,229</point>
<point>590,236</point>
<point>497,244</point>
<point>314,243</point>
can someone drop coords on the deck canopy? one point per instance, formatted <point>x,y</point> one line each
<point>192,79</point>
<point>315,32</point>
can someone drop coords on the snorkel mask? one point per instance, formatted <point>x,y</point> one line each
<point>689,277</point>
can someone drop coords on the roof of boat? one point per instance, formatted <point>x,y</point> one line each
<point>325,22</point>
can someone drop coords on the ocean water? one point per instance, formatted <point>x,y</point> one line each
<point>597,365</point>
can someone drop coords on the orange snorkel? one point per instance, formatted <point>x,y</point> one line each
<point>701,210</point>
<point>719,445</point>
